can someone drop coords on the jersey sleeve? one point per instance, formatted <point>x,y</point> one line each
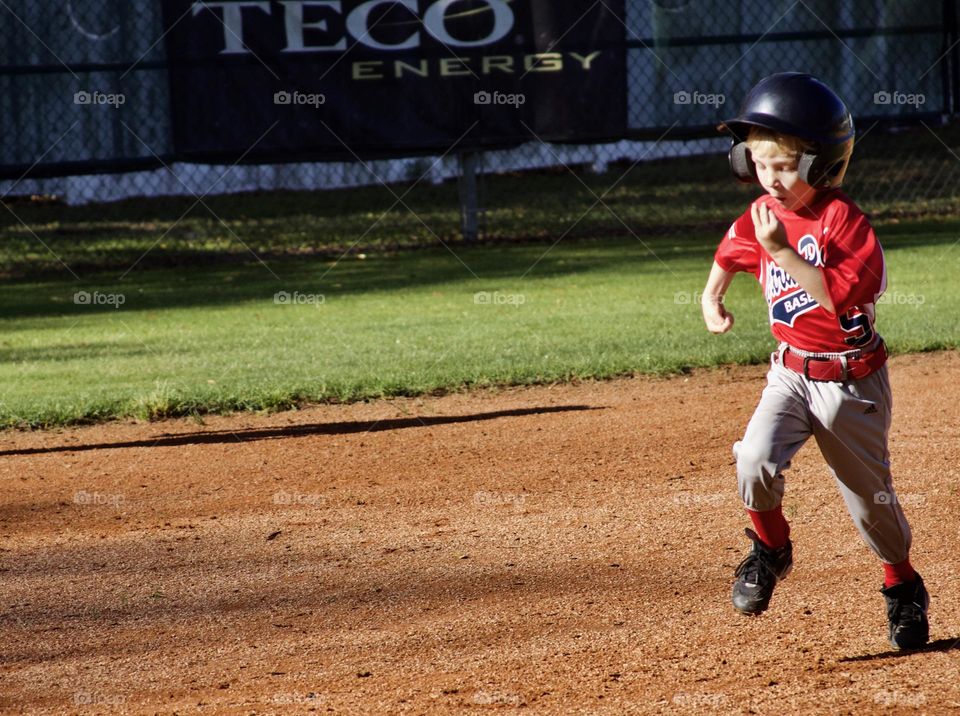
<point>739,251</point>
<point>854,273</point>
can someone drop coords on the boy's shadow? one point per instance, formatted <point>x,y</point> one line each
<point>938,645</point>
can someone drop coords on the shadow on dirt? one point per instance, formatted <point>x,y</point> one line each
<point>938,645</point>
<point>292,431</point>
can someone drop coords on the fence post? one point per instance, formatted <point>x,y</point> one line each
<point>469,199</point>
<point>952,72</point>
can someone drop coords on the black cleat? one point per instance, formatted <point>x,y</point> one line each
<point>758,574</point>
<point>907,606</point>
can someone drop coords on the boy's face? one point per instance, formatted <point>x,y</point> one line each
<point>777,172</point>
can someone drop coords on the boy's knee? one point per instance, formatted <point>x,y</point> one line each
<point>754,463</point>
<point>758,477</point>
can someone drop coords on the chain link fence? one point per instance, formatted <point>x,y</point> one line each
<point>88,73</point>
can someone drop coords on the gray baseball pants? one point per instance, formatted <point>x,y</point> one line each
<point>850,422</point>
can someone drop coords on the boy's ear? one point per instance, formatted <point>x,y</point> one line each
<point>741,163</point>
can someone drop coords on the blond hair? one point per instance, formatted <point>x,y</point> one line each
<point>766,142</point>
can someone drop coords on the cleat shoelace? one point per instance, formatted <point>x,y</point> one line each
<point>903,612</point>
<point>758,564</point>
<point>753,565</point>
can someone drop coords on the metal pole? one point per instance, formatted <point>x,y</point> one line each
<point>469,204</point>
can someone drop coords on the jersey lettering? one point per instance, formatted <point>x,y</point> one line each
<point>851,266</point>
<point>859,326</point>
<point>809,249</point>
<point>785,310</point>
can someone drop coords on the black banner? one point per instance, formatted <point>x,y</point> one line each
<point>113,86</point>
<point>321,79</point>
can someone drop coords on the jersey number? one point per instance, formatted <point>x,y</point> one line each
<point>858,325</point>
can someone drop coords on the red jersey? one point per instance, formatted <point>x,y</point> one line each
<point>834,235</point>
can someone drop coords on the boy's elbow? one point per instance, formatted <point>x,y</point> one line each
<point>825,299</point>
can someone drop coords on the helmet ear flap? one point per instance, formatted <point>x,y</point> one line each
<point>741,163</point>
<point>806,169</point>
<point>822,170</point>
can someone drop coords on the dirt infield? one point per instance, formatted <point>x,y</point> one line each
<point>562,549</point>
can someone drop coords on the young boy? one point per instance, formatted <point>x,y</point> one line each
<point>822,271</point>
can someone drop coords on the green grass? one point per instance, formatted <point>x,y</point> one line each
<point>199,339</point>
<point>199,330</point>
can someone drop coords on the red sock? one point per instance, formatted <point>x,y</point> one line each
<point>771,527</point>
<point>898,573</point>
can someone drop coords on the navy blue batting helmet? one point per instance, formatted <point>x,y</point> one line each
<point>798,105</point>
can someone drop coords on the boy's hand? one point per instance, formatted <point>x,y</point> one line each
<point>773,238</point>
<point>715,315</point>
<point>770,233</point>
